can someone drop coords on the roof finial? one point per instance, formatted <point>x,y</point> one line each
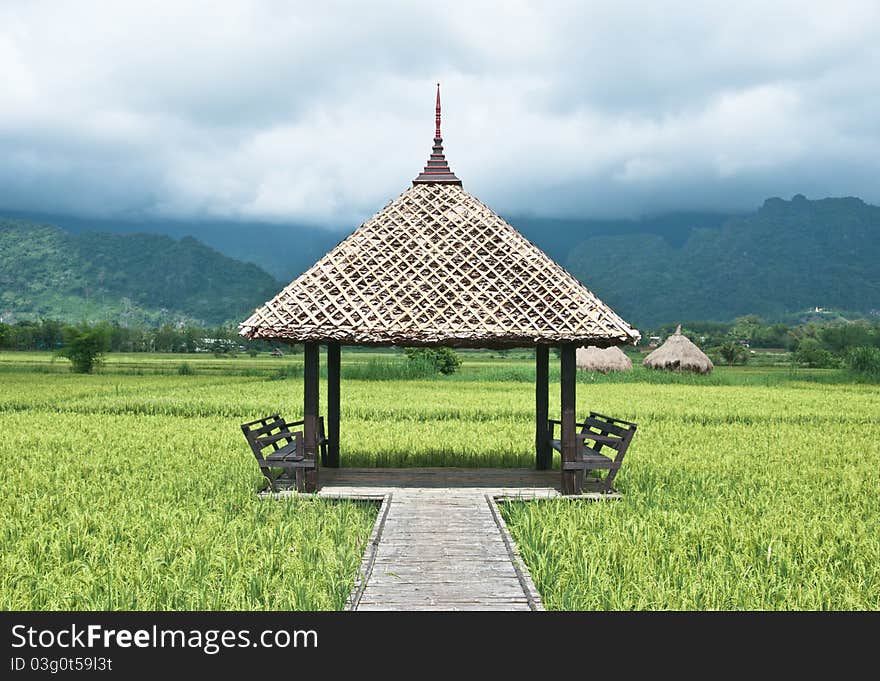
<point>437,132</point>
<point>437,170</point>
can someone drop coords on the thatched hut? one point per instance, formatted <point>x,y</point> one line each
<point>678,353</point>
<point>608,359</point>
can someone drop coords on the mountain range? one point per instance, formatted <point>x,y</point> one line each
<point>48,272</point>
<point>782,259</point>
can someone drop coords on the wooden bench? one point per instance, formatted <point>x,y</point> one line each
<point>277,443</point>
<point>602,431</point>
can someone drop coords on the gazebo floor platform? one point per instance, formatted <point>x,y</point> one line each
<point>524,483</point>
<point>439,541</point>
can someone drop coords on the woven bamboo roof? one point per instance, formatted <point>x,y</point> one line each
<point>436,266</point>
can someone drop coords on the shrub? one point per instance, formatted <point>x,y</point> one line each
<point>443,360</point>
<point>184,369</point>
<point>85,346</point>
<point>865,360</point>
<point>810,353</point>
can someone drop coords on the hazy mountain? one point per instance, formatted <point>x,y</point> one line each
<point>282,250</point>
<point>783,258</point>
<point>557,237</point>
<point>786,257</point>
<point>49,272</point>
<point>286,250</point>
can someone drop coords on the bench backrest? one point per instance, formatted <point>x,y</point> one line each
<point>260,435</point>
<point>619,432</point>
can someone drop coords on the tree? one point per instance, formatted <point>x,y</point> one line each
<point>733,353</point>
<point>773,336</point>
<point>839,338</point>
<point>167,339</point>
<point>810,353</point>
<point>49,334</point>
<point>24,335</point>
<point>745,328</point>
<point>85,346</point>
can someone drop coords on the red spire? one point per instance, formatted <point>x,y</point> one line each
<point>437,169</point>
<point>437,132</point>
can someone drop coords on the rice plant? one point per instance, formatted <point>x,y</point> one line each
<point>133,488</point>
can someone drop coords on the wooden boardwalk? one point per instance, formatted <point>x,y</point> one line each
<point>442,550</point>
<point>439,542</point>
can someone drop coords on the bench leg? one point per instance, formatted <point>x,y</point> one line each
<point>268,473</point>
<point>609,480</point>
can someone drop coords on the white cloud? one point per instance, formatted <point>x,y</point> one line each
<point>323,113</point>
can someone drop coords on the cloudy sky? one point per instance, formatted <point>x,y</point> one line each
<point>322,112</point>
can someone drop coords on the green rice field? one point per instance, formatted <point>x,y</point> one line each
<point>751,488</point>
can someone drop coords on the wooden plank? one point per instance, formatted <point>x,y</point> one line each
<point>267,440</point>
<point>334,359</point>
<point>369,558</point>
<point>426,478</point>
<point>247,425</point>
<point>604,427</point>
<point>288,463</point>
<point>543,453</point>
<point>268,427</point>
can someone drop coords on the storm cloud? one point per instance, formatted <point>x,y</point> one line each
<point>323,112</point>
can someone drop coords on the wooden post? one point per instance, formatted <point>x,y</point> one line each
<point>572,481</point>
<point>334,356</point>
<point>543,451</point>
<point>311,366</point>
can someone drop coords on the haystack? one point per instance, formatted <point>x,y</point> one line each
<point>678,353</point>
<point>613,358</point>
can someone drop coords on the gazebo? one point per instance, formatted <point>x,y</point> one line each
<point>437,267</point>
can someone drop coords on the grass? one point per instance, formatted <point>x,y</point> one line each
<point>745,512</point>
<point>114,508</point>
<point>752,488</point>
<point>115,513</point>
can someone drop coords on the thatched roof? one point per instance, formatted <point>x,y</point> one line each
<point>678,353</point>
<point>437,267</point>
<point>603,359</point>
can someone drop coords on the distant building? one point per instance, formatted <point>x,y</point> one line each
<point>215,344</point>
